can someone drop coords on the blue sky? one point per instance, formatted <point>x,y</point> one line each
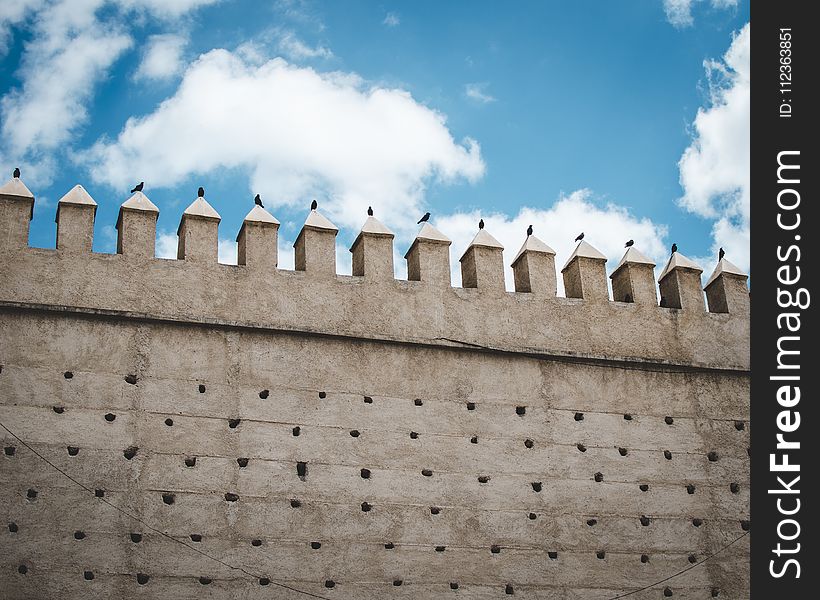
<point>620,119</point>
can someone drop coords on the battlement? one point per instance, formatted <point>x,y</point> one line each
<point>371,303</point>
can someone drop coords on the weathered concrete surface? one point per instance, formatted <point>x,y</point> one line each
<point>500,410</point>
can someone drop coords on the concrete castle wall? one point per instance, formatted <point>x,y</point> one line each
<point>360,437</point>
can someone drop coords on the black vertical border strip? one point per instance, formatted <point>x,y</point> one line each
<point>771,134</point>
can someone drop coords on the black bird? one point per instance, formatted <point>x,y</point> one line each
<point>481,223</point>
<point>16,173</point>
<point>258,201</point>
<point>580,237</point>
<point>721,254</point>
<point>200,193</point>
<point>138,187</point>
<point>529,231</point>
<point>674,248</point>
<point>314,205</point>
<point>425,218</point>
<point>369,211</point>
<point>629,244</point>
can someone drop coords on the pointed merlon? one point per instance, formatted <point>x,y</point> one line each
<point>482,238</point>
<point>316,220</point>
<point>375,227</point>
<point>373,251</point>
<point>424,219</point>
<point>15,189</point>
<point>17,210</point>
<point>634,256</point>
<point>533,244</point>
<point>199,208</point>
<point>258,214</point>
<point>724,266</point>
<point>137,202</point>
<point>678,260</point>
<point>136,226</point>
<point>76,196</point>
<point>431,234</point>
<point>585,250</point>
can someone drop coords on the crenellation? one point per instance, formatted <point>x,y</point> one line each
<point>198,233</point>
<point>315,246</point>
<point>137,227</point>
<point>680,284</point>
<point>534,268</point>
<point>258,240</point>
<point>633,280</point>
<point>482,264</point>
<point>75,221</point>
<point>585,274</point>
<point>363,436</point>
<point>373,252</point>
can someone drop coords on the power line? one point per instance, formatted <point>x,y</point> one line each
<point>697,564</point>
<point>154,529</point>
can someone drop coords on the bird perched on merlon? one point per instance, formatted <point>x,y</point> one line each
<point>629,244</point>
<point>424,219</point>
<point>481,223</point>
<point>529,231</point>
<point>16,173</point>
<point>200,193</point>
<point>369,211</point>
<point>138,187</point>
<point>258,201</point>
<point>721,254</point>
<point>674,248</point>
<point>314,205</point>
<point>580,237</point>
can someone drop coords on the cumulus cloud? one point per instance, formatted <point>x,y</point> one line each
<point>391,20</point>
<point>679,12</point>
<point>299,133</point>
<point>72,46</point>
<point>163,57</point>
<point>477,92</point>
<point>290,46</point>
<point>714,169</point>
<point>606,226</point>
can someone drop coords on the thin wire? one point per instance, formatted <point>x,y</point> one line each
<point>154,529</point>
<point>697,564</point>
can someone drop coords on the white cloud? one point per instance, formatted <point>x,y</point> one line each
<point>300,133</point>
<point>227,251</point>
<point>679,12</point>
<point>167,245</point>
<point>391,20</point>
<point>476,91</point>
<point>163,57</point>
<point>71,47</point>
<point>714,169</point>
<point>605,226</point>
<point>295,49</point>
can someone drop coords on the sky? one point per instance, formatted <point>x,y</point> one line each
<point>624,120</point>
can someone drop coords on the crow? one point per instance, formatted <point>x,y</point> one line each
<point>529,231</point>
<point>481,223</point>
<point>629,244</point>
<point>674,248</point>
<point>369,211</point>
<point>200,193</point>
<point>258,201</point>
<point>580,237</point>
<point>138,187</point>
<point>16,173</point>
<point>425,218</point>
<point>314,205</point>
<point>721,254</point>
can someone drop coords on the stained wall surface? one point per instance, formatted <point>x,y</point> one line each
<point>257,433</point>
